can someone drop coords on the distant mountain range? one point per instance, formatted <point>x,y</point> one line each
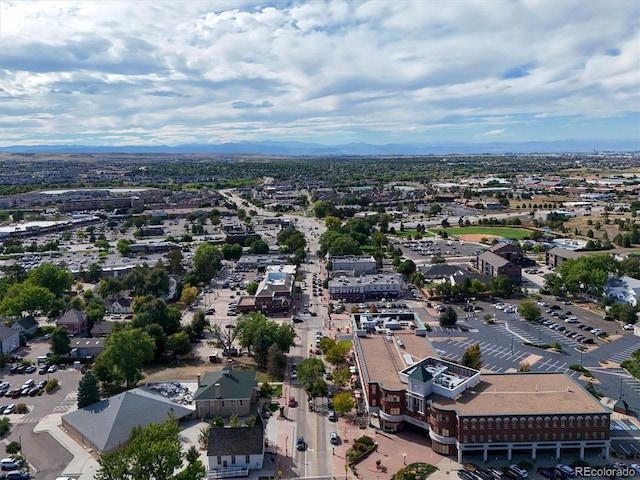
<point>358,149</point>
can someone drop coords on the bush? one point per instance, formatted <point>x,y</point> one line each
<point>21,408</point>
<point>51,385</point>
<point>5,425</point>
<point>13,447</point>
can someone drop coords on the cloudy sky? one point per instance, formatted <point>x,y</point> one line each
<point>150,72</point>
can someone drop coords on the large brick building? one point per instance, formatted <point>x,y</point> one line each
<point>465,411</point>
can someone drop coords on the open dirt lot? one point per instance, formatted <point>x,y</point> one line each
<point>476,237</point>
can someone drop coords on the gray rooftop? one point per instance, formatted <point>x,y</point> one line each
<point>108,423</point>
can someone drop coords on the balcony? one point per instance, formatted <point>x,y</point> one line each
<point>441,439</point>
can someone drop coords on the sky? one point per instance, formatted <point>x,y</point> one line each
<point>153,72</point>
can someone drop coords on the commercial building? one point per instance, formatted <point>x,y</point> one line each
<point>556,255</point>
<point>353,265</point>
<point>367,286</point>
<point>465,411</point>
<point>494,265</point>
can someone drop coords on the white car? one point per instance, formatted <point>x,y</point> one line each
<point>628,326</point>
<point>635,466</point>
<point>566,469</point>
<point>521,471</point>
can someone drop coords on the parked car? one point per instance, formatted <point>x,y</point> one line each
<point>333,438</point>
<point>332,416</point>
<point>546,473</point>
<point>523,473</point>
<point>9,464</point>
<point>30,369</point>
<point>52,369</point>
<point>566,469</point>
<point>511,474</point>
<point>17,475</point>
<point>9,409</point>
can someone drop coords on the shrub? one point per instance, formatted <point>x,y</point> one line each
<point>51,385</point>
<point>21,408</point>
<point>5,425</point>
<point>13,447</point>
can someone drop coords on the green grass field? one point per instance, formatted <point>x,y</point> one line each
<point>506,232</point>
<point>406,233</point>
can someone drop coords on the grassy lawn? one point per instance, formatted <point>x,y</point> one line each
<point>506,232</point>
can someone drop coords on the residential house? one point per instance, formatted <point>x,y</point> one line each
<point>74,321</point>
<point>491,264</point>
<point>102,329</point>
<point>119,305</point>
<point>26,325</point>
<point>440,271</point>
<point>233,451</point>
<point>9,339</point>
<point>624,289</point>
<point>226,392</point>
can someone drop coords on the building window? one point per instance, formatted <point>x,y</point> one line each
<point>394,411</point>
<point>222,403</point>
<point>233,459</point>
<point>219,460</point>
<point>240,402</point>
<point>247,459</point>
<point>546,422</point>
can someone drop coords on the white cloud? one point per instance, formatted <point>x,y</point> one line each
<point>493,133</point>
<point>338,70</point>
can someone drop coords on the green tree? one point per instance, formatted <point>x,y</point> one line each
<point>55,279</point>
<point>179,343</point>
<point>252,288</point>
<point>231,251</point>
<point>336,355</point>
<point>343,403</point>
<point>23,297</point>
<point>88,390</point>
<point>529,310</point>
<point>125,353</point>
<point>148,310</point>
<point>124,247</point>
<point>310,371</point>
<point>189,294</point>
<point>175,258</point>
<point>206,264</point>
<point>407,267</point>
<point>448,317</point>
<point>472,357</point>
<point>60,342</point>
<point>152,453</point>
<point>341,376</point>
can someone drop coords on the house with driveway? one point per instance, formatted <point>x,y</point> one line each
<point>623,289</point>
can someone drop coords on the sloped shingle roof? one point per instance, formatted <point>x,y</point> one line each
<point>237,384</point>
<point>108,423</point>
<point>236,440</point>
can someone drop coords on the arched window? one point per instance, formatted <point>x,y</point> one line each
<point>563,422</point>
<point>572,421</point>
<point>596,421</point>
<point>538,422</point>
<point>579,421</point>
<point>587,421</point>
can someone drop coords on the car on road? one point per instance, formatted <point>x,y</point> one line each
<point>300,444</point>
<point>332,416</point>
<point>628,326</point>
<point>635,466</point>
<point>292,401</point>
<point>52,369</point>
<point>333,438</point>
<point>294,375</point>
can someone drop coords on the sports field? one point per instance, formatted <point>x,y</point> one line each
<point>491,232</point>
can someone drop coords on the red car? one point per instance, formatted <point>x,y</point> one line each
<point>292,401</point>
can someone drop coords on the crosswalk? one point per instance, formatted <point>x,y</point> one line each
<point>623,355</point>
<point>627,380</point>
<point>69,401</point>
<point>500,358</point>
